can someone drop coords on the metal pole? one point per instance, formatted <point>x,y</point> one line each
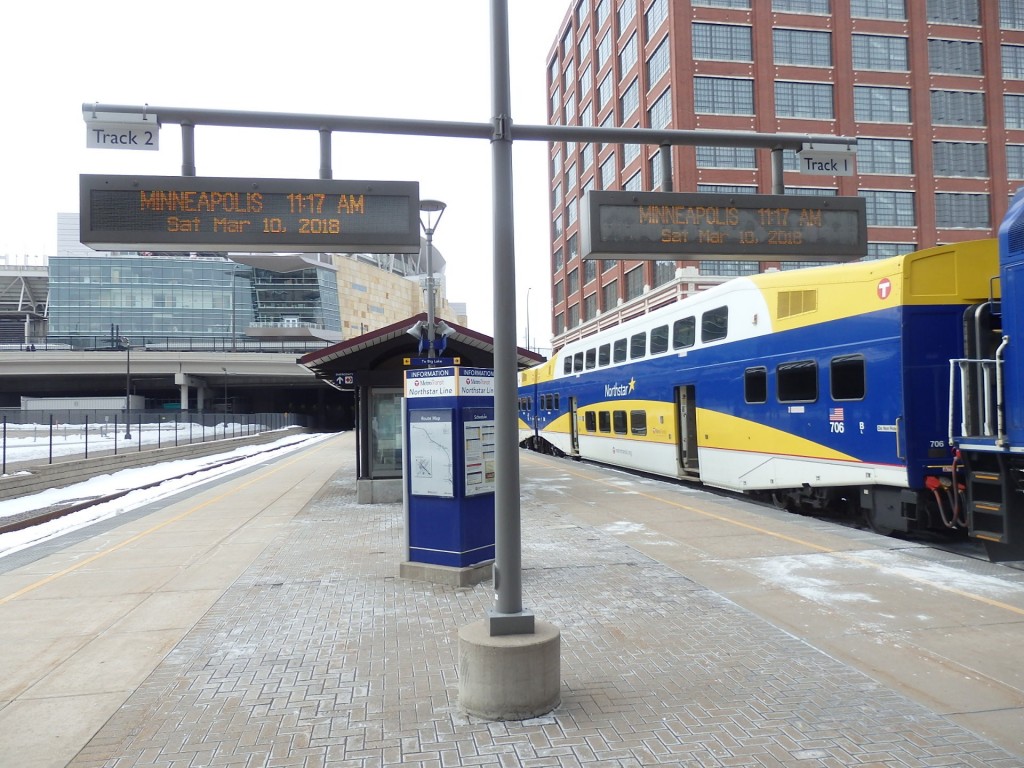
<point>188,149</point>
<point>778,172</point>
<point>431,331</point>
<point>665,158</point>
<point>508,617</point>
<point>127,390</point>
<point>325,154</point>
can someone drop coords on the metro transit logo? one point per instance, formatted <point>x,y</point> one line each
<point>619,390</point>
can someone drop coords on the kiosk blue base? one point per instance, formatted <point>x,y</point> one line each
<point>449,465</point>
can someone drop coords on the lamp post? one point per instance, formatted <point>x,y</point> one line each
<point>123,341</point>
<point>225,395</point>
<point>431,211</point>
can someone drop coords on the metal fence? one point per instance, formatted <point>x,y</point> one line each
<point>38,436</point>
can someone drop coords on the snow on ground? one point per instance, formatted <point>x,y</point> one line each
<point>103,485</point>
<point>30,442</point>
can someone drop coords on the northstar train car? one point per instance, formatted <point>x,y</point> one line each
<point>892,388</point>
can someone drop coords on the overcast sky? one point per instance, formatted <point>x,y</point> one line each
<point>384,58</point>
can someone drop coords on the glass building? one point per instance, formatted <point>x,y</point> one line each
<point>182,301</point>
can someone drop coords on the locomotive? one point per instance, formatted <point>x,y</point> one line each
<point>892,388</point>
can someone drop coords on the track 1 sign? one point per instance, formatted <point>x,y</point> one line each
<point>190,213</point>
<point>663,225</point>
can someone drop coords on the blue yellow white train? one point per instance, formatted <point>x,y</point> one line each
<point>892,387</point>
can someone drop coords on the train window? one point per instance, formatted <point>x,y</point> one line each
<point>638,422</point>
<point>714,324</point>
<point>619,351</point>
<point>619,422</point>
<point>755,385</point>
<point>798,382</point>
<point>848,377</point>
<point>659,340</point>
<point>684,332</point>
<point>604,354</point>
<point>604,421</point>
<point>590,421</point>
<point>567,368</point>
<point>591,358</point>
<point>637,345</point>
<point>558,400</point>
<point>577,362</point>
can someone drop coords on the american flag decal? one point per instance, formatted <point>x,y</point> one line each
<point>836,414</point>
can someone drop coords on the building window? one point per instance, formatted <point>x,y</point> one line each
<point>558,261</point>
<point>601,11</point>
<point>604,92</point>
<point>574,281</point>
<point>627,10</point>
<point>604,50</point>
<point>953,12</point>
<point>880,52</point>
<point>1015,161</point>
<point>723,96</point>
<point>658,63</point>
<point>886,208</point>
<point>629,153</point>
<point>879,9</point>
<point>573,246</point>
<point>806,100</point>
<point>655,16</point>
<point>1011,14</point>
<point>559,324</point>
<point>1013,106</point>
<point>609,174</point>
<point>630,100</point>
<point>557,226</point>
<point>1013,62</point>
<point>954,57</point>
<point>802,47</point>
<point>586,79</point>
<point>586,156</point>
<point>802,6</point>
<point>633,183</point>
<point>654,171</point>
<point>584,45</point>
<point>559,294</point>
<point>573,319</point>
<point>634,282</point>
<point>610,296</point>
<point>569,76</point>
<point>589,271</point>
<point>722,3</point>
<point>885,250</point>
<point>881,105</point>
<point>961,210</point>
<point>660,113</point>
<point>664,272</point>
<point>724,42</point>
<point>726,157</point>
<point>728,189</point>
<point>627,56</point>
<point>892,156</point>
<point>958,108</point>
<point>729,268</point>
<point>590,309</point>
<point>571,210</point>
<point>959,158</point>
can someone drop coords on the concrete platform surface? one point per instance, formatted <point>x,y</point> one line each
<point>695,631</point>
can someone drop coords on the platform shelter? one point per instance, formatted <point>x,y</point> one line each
<point>373,366</point>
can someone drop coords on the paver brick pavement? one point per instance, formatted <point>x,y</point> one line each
<point>321,657</point>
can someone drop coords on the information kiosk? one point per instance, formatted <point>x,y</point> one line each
<point>449,465</point>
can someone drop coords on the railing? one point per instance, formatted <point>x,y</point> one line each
<point>43,436</point>
<point>173,344</point>
<point>981,397</point>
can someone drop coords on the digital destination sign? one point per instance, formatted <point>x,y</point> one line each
<point>658,225</point>
<point>190,213</point>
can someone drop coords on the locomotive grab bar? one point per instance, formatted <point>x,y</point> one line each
<point>988,418</point>
<point>1001,434</point>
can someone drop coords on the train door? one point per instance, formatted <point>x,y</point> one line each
<point>574,432</point>
<point>686,410</point>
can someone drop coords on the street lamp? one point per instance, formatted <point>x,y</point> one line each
<point>126,345</point>
<point>431,211</point>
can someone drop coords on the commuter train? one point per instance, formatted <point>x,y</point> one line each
<point>892,388</point>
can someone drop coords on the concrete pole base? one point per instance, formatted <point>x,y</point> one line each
<point>509,677</point>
